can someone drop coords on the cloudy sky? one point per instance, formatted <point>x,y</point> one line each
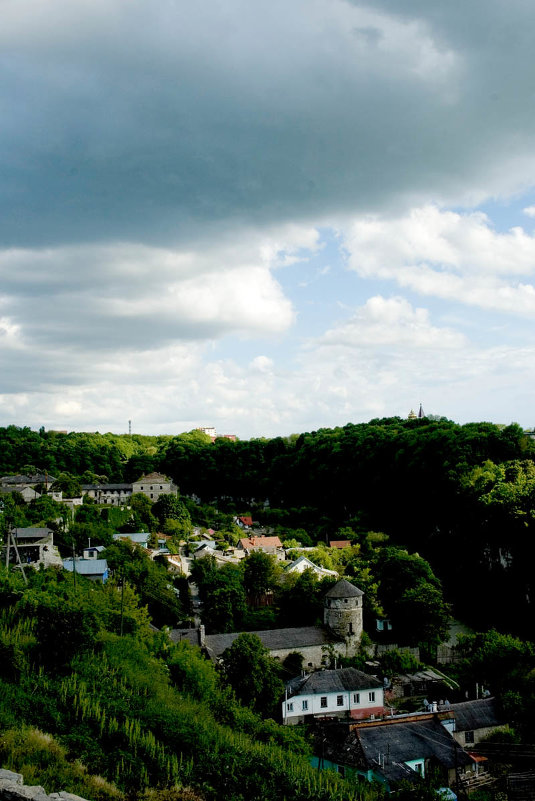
<point>266,216</point>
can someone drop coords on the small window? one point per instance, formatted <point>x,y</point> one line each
<point>419,768</point>
<point>152,495</point>
<point>323,701</point>
<point>161,486</point>
<point>356,698</point>
<point>305,706</point>
<point>290,707</point>
<point>151,488</point>
<point>469,736</point>
<point>311,664</point>
<point>371,696</point>
<point>345,600</point>
<point>339,700</point>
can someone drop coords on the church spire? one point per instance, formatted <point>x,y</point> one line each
<point>421,412</point>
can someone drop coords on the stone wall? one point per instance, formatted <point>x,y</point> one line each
<point>12,788</point>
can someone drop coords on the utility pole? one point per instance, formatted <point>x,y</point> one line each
<point>12,539</point>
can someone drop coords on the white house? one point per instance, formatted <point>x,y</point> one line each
<point>333,693</point>
<point>302,563</point>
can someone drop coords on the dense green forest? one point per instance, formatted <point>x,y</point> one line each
<point>462,496</point>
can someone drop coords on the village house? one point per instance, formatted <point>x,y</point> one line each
<point>110,494</point>
<point>29,494</point>
<point>333,693</point>
<point>425,682</point>
<point>393,750</point>
<point>93,551</point>
<point>22,481</point>
<point>35,546</point>
<point>153,485</point>
<point>313,642</point>
<point>473,721</point>
<point>271,545</point>
<point>93,569</point>
<point>303,563</point>
<point>140,538</point>
<point>244,522</point>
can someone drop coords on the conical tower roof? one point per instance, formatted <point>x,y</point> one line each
<point>344,589</point>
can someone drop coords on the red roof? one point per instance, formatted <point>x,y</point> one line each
<point>260,542</point>
<point>339,543</point>
<point>247,520</point>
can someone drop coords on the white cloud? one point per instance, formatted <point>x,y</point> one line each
<point>92,300</point>
<point>448,255</point>
<point>390,321</point>
<point>529,211</point>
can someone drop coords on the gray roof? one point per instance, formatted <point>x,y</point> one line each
<point>190,635</point>
<point>426,675</point>
<point>27,478</point>
<point>274,639</point>
<point>137,536</point>
<point>397,743</point>
<point>87,567</point>
<point>329,681</point>
<point>480,714</point>
<point>427,739</point>
<point>88,487</point>
<point>343,589</point>
<point>32,533</point>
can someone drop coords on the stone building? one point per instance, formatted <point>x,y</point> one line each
<point>339,636</point>
<point>153,485</point>
<point>342,613</point>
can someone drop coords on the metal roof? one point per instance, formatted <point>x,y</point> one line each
<point>87,567</point>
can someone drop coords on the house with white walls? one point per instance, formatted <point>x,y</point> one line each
<point>347,692</point>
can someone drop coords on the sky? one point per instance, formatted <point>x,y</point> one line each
<point>267,217</point>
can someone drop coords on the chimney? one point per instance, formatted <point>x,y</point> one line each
<point>202,640</point>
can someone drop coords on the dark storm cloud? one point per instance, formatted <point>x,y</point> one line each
<point>145,122</point>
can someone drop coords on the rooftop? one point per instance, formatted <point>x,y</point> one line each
<point>87,567</point>
<point>274,639</point>
<point>343,589</point>
<point>477,714</point>
<point>330,681</point>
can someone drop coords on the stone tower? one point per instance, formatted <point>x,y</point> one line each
<point>342,613</point>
